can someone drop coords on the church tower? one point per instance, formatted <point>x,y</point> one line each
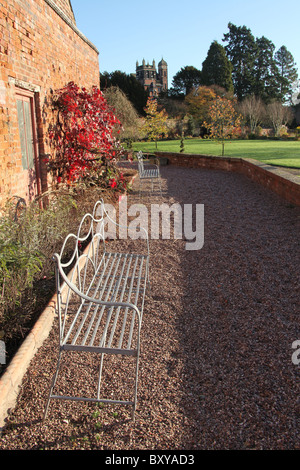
<point>154,82</point>
<point>163,74</point>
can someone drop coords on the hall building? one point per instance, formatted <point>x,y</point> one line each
<point>154,80</point>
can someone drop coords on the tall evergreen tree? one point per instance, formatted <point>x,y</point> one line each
<point>132,88</point>
<point>265,71</point>
<point>287,73</point>
<point>217,69</point>
<point>185,80</point>
<point>241,51</point>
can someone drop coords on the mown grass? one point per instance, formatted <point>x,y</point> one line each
<point>273,152</point>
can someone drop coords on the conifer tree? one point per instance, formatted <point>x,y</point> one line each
<point>265,71</point>
<point>217,69</point>
<point>185,80</point>
<point>241,51</point>
<point>287,73</point>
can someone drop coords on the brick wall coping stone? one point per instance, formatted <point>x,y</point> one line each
<point>64,17</point>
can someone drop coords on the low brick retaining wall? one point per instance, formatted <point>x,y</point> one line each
<point>278,180</point>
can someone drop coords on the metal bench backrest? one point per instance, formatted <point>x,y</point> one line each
<point>91,231</point>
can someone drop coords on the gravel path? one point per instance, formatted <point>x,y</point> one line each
<point>216,368</point>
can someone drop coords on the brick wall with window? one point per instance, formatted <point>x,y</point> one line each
<point>41,50</point>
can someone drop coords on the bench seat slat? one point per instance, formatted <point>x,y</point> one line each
<point>122,279</point>
<point>122,299</point>
<point>90,304</point>
<point>149,174</point>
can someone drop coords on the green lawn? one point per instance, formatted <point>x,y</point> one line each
<point>272,152</point>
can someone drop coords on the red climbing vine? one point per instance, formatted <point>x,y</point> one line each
<point>83,139</point>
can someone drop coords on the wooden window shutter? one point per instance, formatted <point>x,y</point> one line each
<point>26,131</point>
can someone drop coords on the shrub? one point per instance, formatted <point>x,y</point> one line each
<point>28,240</point>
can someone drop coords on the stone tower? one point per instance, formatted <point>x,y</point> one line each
<point>154,81</point>
<point>163,74</point>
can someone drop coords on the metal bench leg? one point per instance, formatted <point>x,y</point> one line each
<point>100,376</point>
<point>136,382</point>
<point>140,188</point>
<point>148,278</point>
<point>52,387</point>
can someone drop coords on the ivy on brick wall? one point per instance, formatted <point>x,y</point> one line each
<point>83,139</point>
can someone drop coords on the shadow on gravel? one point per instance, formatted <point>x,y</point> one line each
<point>241,315</point>
<point>216,368</point>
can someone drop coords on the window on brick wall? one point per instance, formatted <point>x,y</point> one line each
<point>27,128</point>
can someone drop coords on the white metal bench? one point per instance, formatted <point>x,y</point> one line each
<point>148,171</point>
<point>100,302</point>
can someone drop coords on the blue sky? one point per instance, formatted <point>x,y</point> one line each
<point>180,32</point>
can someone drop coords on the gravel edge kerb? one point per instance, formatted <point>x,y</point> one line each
<point>12,378</point>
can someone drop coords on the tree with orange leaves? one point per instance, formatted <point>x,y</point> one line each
<point>199,101</point>
<point>155,122</point>
<point>224,122</point>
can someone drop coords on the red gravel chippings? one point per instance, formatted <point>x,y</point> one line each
<point>216,368</point>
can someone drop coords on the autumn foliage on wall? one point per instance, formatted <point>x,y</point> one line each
<point>82,138</point>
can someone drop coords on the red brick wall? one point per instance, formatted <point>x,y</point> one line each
<point>39,51</point>
<point>282,183</point>
<point>66,7</point>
